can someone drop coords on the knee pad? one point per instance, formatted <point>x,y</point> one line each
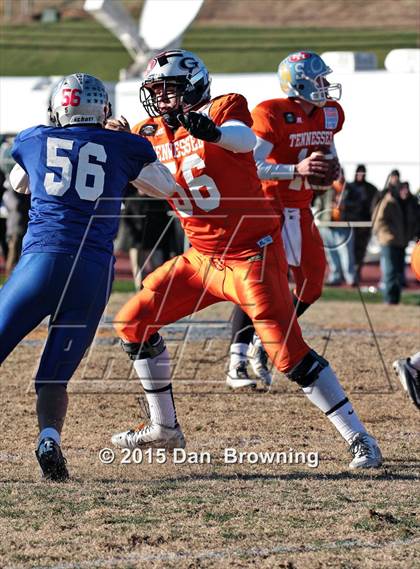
<point>308,369</point>
<point>149,349</point>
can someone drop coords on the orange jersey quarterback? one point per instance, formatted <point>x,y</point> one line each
<point>219,199</point>
<point>294,135</point>
<point>237,253</point>
<point>294,154</point>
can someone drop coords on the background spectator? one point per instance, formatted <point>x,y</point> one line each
<point>359,200</point>
<point>395,223</point>
<point>392,183</point>
<point>338,241</point>
<point>17,206</point>
<point>146,232</point>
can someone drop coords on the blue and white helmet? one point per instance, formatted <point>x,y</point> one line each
<point>79,99</point>
<point>302,75</point>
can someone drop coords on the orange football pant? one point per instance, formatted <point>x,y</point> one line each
<point>309,276</point>
<point>193,281</point>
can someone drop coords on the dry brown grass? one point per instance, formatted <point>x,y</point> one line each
<point>218,515</point>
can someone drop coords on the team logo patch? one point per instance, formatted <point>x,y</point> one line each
<point>264,241</point>
<point>148,130</point>
<point>290,118</point>
<point>331,117</point>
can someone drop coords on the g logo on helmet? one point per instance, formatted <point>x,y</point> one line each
<point>188,63</point>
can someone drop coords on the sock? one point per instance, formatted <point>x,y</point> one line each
<point>242,327</point>
<point>414,361</point>
<point>328,395</point>
<point>238,354</point>
<point>51,433</point>
<point>256,341</point>
<point>155,376</point>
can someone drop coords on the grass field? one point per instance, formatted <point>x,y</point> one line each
<point>58,49</point>
<point>288,516</point>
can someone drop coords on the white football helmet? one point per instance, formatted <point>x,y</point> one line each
<point>182,79</point>
<point>79,99</point>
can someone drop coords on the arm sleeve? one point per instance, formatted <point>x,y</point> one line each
<point>236,137</point>
<point>19,180</point>
<point>155,180</point>
<point>267,170</point>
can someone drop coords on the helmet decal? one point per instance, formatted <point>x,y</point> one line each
<point>188,63</point>
<point>298,56</point>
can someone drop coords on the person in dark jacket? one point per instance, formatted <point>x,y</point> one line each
<point>359,200</point>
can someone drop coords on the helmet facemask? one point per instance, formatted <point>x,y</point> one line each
<point>324,90</point>
<point>176,82</point>
<point>316,90</point>
<point>162,96</point>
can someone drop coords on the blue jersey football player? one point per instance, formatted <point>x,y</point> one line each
<point>76,173</point>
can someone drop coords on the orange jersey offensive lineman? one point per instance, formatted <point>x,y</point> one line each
<point>219,200</point>
<point>294,136</point>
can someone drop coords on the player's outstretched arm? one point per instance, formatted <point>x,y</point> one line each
<point>232,135</point>
<point>155,180</point>
<point>19,180</point>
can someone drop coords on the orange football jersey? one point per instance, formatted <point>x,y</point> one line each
<point>294,136</point>
<point>219,199</point>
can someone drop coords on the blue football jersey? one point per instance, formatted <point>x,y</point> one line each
<point>77,176</point>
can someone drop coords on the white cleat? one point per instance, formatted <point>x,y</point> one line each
<point>238,377</point>
<point>258,359</point>
<point>409,378</point>
<point>150,436</point>
<point>365,451</point>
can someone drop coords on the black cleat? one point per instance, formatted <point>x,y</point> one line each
<point>52,461</point>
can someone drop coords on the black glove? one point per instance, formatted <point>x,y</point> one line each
<point>200,126</point>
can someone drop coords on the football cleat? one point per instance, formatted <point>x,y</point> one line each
<point>258,359</point>
<point>365,451</point>
<point>150,436</point>
<point>409,378</point>
<point>238,377</point>
<point>51,460</point>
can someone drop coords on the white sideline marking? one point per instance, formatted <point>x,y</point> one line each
<point>215,554</point>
